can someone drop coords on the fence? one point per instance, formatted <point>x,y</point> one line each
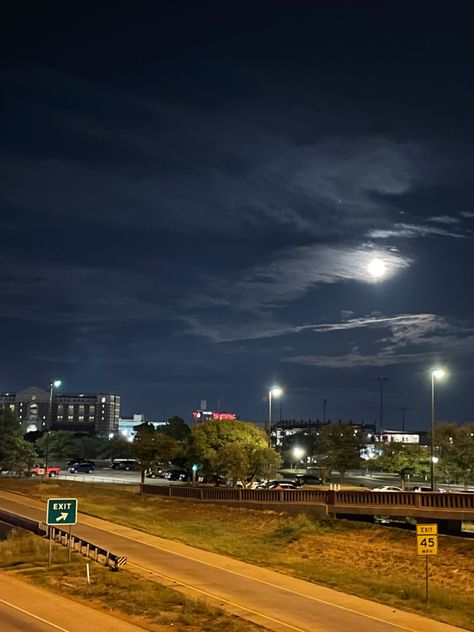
<point>458,506</point>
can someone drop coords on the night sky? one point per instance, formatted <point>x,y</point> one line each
<point>192,193</point>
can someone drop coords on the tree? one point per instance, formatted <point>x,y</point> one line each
<point>58,444</point>
<point>405,459</point>
<point>234,449</point>
<point>150,446</point>
<point>176,428</point>
<point>16,454</point>
<point>455,448</point>
<point>339,447</point>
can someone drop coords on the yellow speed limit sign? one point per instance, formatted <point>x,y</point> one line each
<point>427,539</point>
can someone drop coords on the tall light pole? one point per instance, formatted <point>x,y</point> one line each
<point>404,410</point>
<point>436,374</point>
<point>298,453</point>
<point>275,391</point>
<point>52,385</point>
<point>381,379</point>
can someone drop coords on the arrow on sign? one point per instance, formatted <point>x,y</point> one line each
<point>62,516</point>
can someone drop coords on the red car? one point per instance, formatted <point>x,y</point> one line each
<point>40,471</point>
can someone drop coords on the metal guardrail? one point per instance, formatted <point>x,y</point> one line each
<point>86,548</point>
<point>61,536</point>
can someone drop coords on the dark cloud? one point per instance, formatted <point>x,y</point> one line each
<point>190,202</point>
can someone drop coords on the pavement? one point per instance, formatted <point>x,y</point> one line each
<point>29,607</point>
<point>277,602</point>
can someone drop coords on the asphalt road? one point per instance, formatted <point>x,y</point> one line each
<point>275,601</point>
<point>27,608</point>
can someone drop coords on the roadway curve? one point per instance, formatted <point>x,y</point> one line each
<point>275,601</point>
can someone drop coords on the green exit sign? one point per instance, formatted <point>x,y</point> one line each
<point>61,511</point>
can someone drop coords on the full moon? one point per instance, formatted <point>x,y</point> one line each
<point>377,268</point>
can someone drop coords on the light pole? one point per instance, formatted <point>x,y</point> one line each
<point>298,453</point>
<point>52,385</point>
<point>404,410</point>
<point>436,374</point>
<point>275,391</point>
<point>381,379</point>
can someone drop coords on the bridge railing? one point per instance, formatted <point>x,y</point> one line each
<point>346,498</point>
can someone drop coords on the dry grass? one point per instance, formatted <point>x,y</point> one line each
<point>371,561</point>
<point>145,603</point>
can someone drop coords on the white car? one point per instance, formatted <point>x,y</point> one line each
<point>388,488</point>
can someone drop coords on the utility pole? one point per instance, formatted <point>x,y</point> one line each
<point>404,410</point>
<point>325,401</point>
<point>381,379</point>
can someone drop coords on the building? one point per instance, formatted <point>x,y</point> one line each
<point>398,436</point>
<point>78,412</point>
<point>288,427</point>
<point>126,425</point>
<point>207,415</point>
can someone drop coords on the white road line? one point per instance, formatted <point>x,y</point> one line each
<point>34,616</point>
<point>261,581</point>
<point>238,574</point>
<point>218,598</point>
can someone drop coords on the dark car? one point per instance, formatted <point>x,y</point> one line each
<point>125,464</point>
<point>79,460</point>
<point>177,475</point>
<point>308,479</point>
<point>82,468</point>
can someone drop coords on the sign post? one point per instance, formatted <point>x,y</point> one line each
<point>61,512</point>
<point>427,544</point>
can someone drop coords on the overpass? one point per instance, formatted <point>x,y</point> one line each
<point>449,510</point>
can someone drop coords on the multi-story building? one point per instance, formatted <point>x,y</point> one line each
<point>78,412</point>
<point>127,424</point>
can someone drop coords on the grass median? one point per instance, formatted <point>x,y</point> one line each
<point>370,561</point>
<point>145,603</point>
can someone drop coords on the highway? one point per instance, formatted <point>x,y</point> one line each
<point>273,600</point>
<point>28,608</point>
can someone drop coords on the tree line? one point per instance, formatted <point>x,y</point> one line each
<point>239,450</point>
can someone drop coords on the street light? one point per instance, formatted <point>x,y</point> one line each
<point>52,385</point>
<point>275,391</point>
<point>298,453</point>
<point>436,374</point>
<point>381,379</point>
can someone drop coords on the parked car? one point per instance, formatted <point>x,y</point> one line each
<point>212,479</point>
<point>388,488</point>
<point>438,490</point>
<point>39,470</point>
<point>80,460</point>
<point>177,475</point>
<point>83,467</point>
<point>157,471</point>
<point>125,464</point>
<point>274,483</point>
<point>307,479</point>
<point>283,485</point>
